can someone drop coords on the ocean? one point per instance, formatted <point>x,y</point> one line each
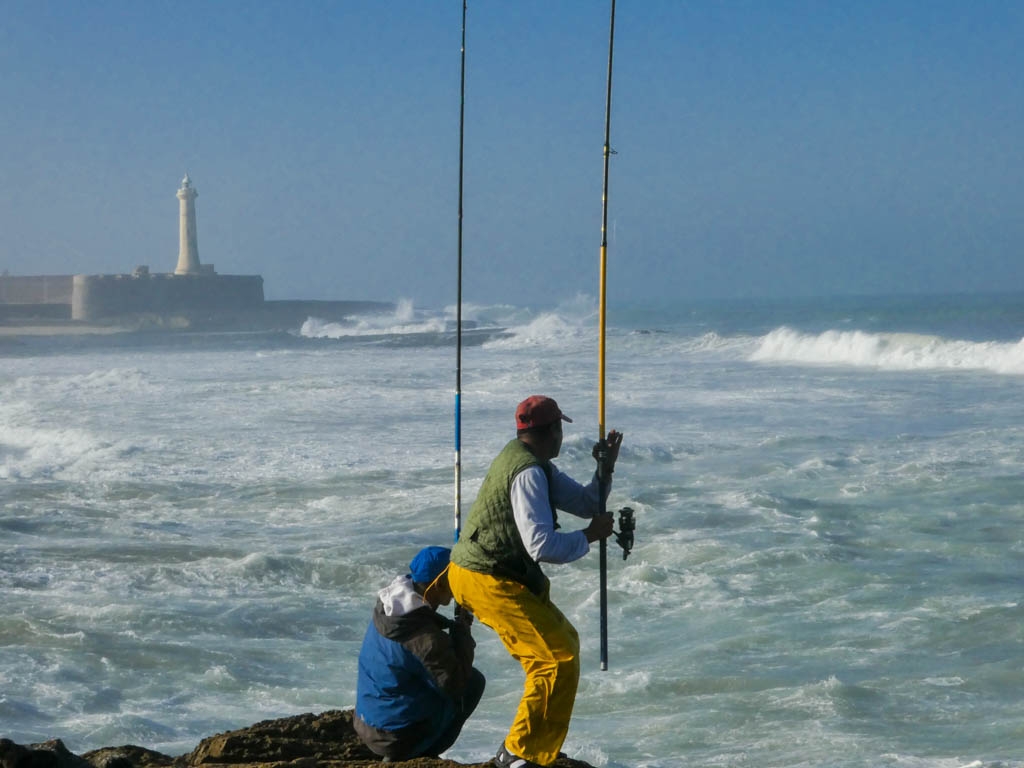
<point>829,556</point>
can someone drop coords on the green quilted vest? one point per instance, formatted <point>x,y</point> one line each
<point>489,542</point>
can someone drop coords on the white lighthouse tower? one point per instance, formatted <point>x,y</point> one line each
<point>188,248</point>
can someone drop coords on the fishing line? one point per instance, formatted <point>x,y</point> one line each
<point>458,303</point>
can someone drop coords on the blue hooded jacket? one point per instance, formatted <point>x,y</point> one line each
<point>411,671</point>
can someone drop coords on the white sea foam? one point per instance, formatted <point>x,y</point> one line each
<point>191,540</point>
<point>58,453</point>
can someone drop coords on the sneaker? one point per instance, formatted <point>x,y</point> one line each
<point>505,759</point>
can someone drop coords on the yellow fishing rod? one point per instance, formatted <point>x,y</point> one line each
<point>602,450</point>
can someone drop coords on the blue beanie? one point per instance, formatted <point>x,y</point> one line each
<point>429,563</point>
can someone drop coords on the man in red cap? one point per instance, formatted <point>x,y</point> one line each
<point>495,572</point>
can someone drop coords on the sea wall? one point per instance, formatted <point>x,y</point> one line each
<point>37,297</point>
<point>99,296</point>
<point>35,289</point>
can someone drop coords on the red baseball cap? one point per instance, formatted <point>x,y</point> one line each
<point>538,411</point>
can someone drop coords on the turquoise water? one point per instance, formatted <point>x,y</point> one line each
<point>828,562</point>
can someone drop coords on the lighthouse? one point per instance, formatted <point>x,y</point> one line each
<point>188,248</point>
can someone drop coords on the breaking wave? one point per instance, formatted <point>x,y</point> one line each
<point>572,321</point>
<point>501,325</point>
<point>889,351</point>
<point>573,324</point>
<point>405,320</point>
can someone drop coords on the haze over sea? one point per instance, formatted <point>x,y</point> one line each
<point>828,493</point>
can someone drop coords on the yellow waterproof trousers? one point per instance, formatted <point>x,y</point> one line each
<point>547,645</point>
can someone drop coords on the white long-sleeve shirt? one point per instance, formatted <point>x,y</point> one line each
<point>535,519</point>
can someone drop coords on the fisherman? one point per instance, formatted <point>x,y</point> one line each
<point>495,572</point>
<point>417,685</point>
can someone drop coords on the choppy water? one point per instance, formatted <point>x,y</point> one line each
<point>829,558</point>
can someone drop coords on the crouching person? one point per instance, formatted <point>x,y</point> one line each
<point>417,685</point>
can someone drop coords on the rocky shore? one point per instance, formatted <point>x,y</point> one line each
<point>325,740</point>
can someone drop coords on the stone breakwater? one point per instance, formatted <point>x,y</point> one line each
<point>325,740</point>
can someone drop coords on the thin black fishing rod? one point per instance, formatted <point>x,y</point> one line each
<point>458,302</point>
<point>602,452</point>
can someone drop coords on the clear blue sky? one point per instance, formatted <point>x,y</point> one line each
<point>764,148</point>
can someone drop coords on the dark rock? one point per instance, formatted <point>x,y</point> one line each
<point>49,754</point>
<point>130,756</point>
<point>324,737</point>
<point>325,740</point>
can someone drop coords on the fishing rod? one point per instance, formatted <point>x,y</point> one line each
<point>601,454</point>
<point>458,308</point>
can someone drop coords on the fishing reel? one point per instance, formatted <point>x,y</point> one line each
<point>624,536</point>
